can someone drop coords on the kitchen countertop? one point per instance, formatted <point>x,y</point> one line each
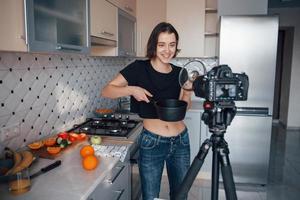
<point>69,180</point>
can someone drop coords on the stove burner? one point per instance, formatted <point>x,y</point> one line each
<point>85,128</point>
<point>123,122</point>
<point>114,130</point>
<point>107,127</point>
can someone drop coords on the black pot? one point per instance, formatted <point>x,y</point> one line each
<point>170,110</point>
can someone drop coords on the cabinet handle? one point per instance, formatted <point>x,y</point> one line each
<point>107,33</point>
<point>112,179</point>
<point>120,193</point>
<point>128,8</point>
<point>59,47</point>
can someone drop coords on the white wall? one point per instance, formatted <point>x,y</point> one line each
<point>242,7</point>
<point>291,17</point>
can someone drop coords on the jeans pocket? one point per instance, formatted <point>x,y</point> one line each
<point>147,142</point>
<point>184,140</point>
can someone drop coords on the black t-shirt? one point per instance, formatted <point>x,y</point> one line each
<point>160,85</point>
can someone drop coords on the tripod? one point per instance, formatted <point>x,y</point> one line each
<point>217,119</point>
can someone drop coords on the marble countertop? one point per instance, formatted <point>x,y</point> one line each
<point>69,180</point>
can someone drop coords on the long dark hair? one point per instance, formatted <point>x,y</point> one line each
<point>153,39</point>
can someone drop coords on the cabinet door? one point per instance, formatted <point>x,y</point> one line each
<point>192,121</point>
<point>146,21</point>
<point>58,25</point>
<point>12,26</point>
<point>188,18</point>
<point>116,184</point>
<point>127,34</point>
<point>103,19</point>
<point>128,6</point>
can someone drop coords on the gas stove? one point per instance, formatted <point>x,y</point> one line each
<point>108,126</point>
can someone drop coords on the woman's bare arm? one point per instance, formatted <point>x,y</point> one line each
<point>186,96</point>
<point>118,87</point>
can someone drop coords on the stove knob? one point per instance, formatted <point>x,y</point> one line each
<point>120,117</point>
<point>112,116</point>
<point>127,117</point>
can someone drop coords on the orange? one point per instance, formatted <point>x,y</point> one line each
<point>53,150</point>
<point>36,145</point>
<point>90,162</point>
<point>87,150</point>
<point>50,141</point>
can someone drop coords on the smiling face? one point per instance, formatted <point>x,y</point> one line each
<point>166,47</point>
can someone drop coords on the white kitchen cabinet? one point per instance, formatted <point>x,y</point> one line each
<point>192,120</point>
<point>188,17</point>
<point>196,22</point>
<point>126,34</point>
<point>52,26</point>
<point>13,36</point>
<point>104,28</point>
<point>146,21</point>
<point>128,6</point>
<point>211,35</point>
<point>58,26</point>
<point>116,185</point>
<point>103,19</point>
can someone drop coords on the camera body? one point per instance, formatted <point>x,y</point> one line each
<point>221,85</point>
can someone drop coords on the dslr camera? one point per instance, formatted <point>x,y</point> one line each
<point>221,85</point>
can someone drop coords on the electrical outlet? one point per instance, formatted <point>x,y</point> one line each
<point>10,132</point>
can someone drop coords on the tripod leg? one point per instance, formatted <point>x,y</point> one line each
<point>215,172</point>
<point>229,185</point>
<point>193,171</point>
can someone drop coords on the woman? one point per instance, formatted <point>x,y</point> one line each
<point>160,141</point>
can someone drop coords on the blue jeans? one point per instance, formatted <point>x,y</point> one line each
<point>155,150</point>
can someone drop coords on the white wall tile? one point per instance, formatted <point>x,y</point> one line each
<point>47,93</point>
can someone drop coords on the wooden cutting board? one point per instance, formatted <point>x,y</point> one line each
<point>43,153</point>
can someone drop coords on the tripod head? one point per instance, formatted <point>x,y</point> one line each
<point>218,115</point>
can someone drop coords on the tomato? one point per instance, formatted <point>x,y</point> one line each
<point>82,136</point>
<point>63,135</point>
<point>73,137</point>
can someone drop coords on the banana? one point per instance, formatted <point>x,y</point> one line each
<point>26,161</point>
<point>17,161</point>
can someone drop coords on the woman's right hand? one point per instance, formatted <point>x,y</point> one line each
<point>140,94</point>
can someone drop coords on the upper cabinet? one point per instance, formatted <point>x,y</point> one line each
<point>128,6</point>
<point>104,26</point>
<point>45,26</point>
<point>146,20</point>
<point>103,19</point>
<point>196,22</point>
<point>188,17</point>
<point>58,25</point>
<point>126,34</point>
<point>13,35</point>
<point>211,39</point>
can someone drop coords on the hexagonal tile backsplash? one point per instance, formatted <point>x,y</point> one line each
<point>48,93</point>
<point>45,94</point>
